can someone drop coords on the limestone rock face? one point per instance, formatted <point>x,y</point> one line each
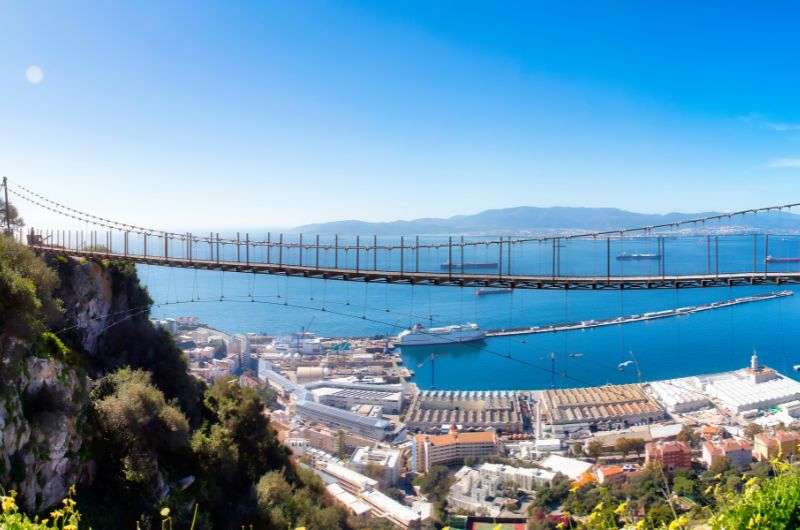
<point>39,436</point>
<point>44,400</point>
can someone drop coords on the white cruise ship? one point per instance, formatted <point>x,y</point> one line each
<point>419,335</point>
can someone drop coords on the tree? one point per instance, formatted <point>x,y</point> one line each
<point>688,435</point>
<point>623,445</point>
<point>720,465</point>
<point>637,445</point>
<point>341,445</point>
<point>553,494</point>
<point>375,471</point>
<point>27,284</point>
<point>683,485</point>
<point>234,449</point>
<point>751,429</point>
<point>594,449</point>
<point>435,484</point>
<point>139,441</point>
<point>13,215</point>
<point>629,445</point>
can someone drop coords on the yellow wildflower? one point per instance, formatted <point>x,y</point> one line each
<point>679,523</point>
<point>164,512</point>
<point>619,510</point>
<point>70,527</point>
<point>756,521</point>
<point>7,502</point>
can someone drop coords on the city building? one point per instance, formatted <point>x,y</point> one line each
<point>332,440</point>
<point>671,455</point>
<point>384,460</point>
<point>434,410</point>
<point>570,467</point>
<point>347,395</point>
<point>453,447</point>
<point>738,452</point>
<point>578,411</point>
<point>278,382</point>
<point>612,474</point>
<point>754,388</point>
<point>358,507</point>
<point>297,444</point>
<point>524,478</point>
<point>365,489</point>
<point>780,444</point>
<point>681,395</point>
<point>375,428</point>
<point>481,491</point>
<point>168,324</point>
<point>467,492</point>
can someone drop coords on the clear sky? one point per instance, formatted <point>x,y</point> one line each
<point>278,113</point>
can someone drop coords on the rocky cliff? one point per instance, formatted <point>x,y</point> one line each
<point>45,378</point>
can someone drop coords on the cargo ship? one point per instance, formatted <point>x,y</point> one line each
<point>469,265</point>
<point>483,291</point>
<point>775,259</point>
<point>419,335</point>
<point>633,257</point>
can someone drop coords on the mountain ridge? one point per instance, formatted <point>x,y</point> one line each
<point>532,218</point>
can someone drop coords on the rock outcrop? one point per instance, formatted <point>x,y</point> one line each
<point>44,398</point>
<point>41,412</point>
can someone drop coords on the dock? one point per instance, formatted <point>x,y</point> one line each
<point>629,319</point>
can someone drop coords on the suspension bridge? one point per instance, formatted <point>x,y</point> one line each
<point>659,256</point>
<point>689,253</point>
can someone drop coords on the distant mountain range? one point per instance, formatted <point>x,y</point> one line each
<point>529,219</point>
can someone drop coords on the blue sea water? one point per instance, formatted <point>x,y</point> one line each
<point>706,342</point>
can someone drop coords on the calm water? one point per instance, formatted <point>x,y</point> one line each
<point>705,342</point>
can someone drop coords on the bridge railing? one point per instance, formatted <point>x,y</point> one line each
<point>553,257</point>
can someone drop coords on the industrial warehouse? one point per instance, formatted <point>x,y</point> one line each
<point>435,410</point>
<point>576,410</point>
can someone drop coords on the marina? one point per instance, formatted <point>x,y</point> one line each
<point>651,315</point>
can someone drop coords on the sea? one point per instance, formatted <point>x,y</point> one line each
<point>707,342</point>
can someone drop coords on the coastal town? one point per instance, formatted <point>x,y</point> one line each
<point>348,410</point>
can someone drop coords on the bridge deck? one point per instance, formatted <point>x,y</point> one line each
<point>455,278</point>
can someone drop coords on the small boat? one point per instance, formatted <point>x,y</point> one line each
<point>576,354</point>
<point>775,259</point>
<point>624,365</point>
<point>633,257</point>
<point>492,290</point>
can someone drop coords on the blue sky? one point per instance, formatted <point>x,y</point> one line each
<point>198,114</point>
